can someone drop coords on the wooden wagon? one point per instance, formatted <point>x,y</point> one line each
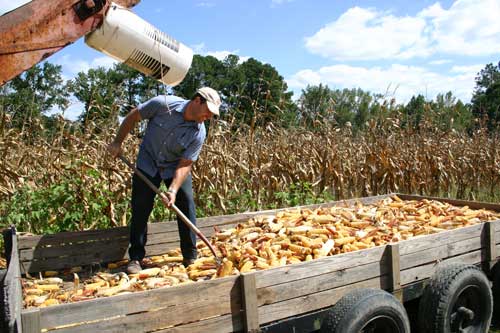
<point>270,300</point>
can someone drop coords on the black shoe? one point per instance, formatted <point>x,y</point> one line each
<point>187,262</point>
<point>134,267</point>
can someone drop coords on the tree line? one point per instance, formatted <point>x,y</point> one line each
<point>253,94</point>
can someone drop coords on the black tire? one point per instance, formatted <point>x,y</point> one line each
<point>457,299</point>
<point>367,310</point>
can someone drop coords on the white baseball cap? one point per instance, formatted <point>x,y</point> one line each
<point>212,97</point>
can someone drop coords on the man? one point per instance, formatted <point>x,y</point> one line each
<point>174,136</point>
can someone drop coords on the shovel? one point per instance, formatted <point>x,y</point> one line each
<point>174,207</point>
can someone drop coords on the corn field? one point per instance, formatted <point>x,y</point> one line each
<point>246,169</point>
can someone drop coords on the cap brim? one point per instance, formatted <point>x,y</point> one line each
<point>213,108</point>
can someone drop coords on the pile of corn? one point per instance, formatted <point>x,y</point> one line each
<point>264,242</point>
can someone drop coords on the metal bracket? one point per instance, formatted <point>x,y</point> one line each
<point>86,8</point>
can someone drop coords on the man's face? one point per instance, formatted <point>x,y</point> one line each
<point>202,112</point>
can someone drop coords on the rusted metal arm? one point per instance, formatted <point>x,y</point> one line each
<point>40,28</point>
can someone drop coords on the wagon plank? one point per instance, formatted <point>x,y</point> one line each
<point>425,242</point>
<point>280,310</point>
<point>222,324</point>
<point>72,261</point>
<point>422,272</point>
<point>157,318</point>
<point>440,252</point>
<point>455,202</point>
<point>221,294</point>
<point>317,267</point>
<point>315,284</point>
<point>31,321</point>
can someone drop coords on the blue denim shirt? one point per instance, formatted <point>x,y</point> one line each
<point>168,136</point>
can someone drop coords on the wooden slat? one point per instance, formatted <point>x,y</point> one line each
<point>490,244</point>
<point>101,246</point>
<point>320,283</point>
<point>455,202</point>
<point>395,270</point>
<point>425,242</point>
<point>281,310</point>
<point>422,272</point>
<point>26,242</point>
<point>317,267</point>
<point>72,261</point>
<point>11,286</point>
<point>153,320</point>
<point>310,302</point>
<point>31,321</point>
<point>249,294</point>
<point>181,304</point>
<point>394,264</point>
<point>440,252</point>
<point>51,258</point>
<point>222,324</point>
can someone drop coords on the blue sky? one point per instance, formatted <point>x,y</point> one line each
<point>397,48</point>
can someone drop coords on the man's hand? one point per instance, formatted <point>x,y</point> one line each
<point>168,198</point>
<point>127,125</point>
<point>114,149</point>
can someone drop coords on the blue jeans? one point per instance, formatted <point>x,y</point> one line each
<point>142,205</point>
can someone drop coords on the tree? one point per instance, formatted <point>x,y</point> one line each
<point>135,86</point>
<point>448,113</point>
<point>33,93</point>
<point>315,104</point>
<point>204,71</point>
<point>486,98</point>
<point>251,92</point>
<point>413,112</point>
<point>99,91</point>
<point>264,96</point>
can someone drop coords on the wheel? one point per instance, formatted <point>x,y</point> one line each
<point>457,299</point>
<point>367,310</point>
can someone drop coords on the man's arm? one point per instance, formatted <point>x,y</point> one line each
<point>182,171</point>
<point>127,125</point>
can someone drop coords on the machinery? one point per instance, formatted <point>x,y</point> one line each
<point>33,32</point>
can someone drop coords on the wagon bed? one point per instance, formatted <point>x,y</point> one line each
<point>247,302</point>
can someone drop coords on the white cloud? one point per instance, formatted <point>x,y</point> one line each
<point>466,69</point>
<point>198,48</point>
<point>399,81</point>
<point>8,5</point>
<point>71,66</point>
<point>440,62</point>
<point>220,55</point>
<point>468,27</point>
<point>362,34</point>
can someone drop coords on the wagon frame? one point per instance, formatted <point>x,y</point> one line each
<point>277,299</point>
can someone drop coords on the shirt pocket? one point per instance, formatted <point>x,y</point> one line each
<point>179,144</point>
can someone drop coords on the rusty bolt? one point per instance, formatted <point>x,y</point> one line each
<point>90,4</point>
